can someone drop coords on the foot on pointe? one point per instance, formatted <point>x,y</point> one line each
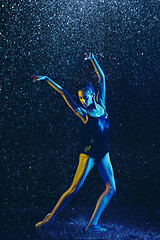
<point>95,228</point>
<point>45,223</point>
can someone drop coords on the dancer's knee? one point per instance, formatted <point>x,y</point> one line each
<point>110,188</point>
<point>113,189</point>
<point>73,190</point>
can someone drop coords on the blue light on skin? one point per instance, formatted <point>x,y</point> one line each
<point>86,98</point>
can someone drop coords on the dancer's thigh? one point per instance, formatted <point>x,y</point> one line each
<point>105,170</point>
<point>85,165</point>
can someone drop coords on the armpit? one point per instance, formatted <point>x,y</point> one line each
<point>82,114</point>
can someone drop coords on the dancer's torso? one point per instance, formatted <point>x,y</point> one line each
<point>96,136</point>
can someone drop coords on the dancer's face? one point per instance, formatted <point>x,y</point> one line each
<point>86,97</point>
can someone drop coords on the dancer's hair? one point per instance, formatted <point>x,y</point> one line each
<point>87,87</point>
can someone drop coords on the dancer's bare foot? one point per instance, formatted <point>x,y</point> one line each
<point>94,228</point>
<point>45,223</point>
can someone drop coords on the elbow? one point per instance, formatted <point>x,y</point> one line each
<point>85,120</point>
<point>62,92</point>
<point>102,76</point>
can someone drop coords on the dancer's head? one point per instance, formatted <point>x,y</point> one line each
<point>86,94</point>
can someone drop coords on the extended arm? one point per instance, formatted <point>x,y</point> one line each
<point>101,79</point>
<point>71,103</point>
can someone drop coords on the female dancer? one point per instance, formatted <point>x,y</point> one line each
<point>94,116</point>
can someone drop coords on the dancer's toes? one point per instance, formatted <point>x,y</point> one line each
<point>43,224</point>
<point>95,228</point>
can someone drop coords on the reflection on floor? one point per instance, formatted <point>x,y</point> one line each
<point>122,223</point>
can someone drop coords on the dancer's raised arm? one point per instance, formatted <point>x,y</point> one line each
<point>80,112</point>
<point>101,79</point>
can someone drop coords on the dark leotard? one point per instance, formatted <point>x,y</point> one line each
<point>96,136</point>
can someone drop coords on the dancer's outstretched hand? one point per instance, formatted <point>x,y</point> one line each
<point>37,78</point>
<point>88,56</point>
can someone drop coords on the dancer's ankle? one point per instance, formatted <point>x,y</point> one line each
<point>89,225</point>
<point>51,219</point>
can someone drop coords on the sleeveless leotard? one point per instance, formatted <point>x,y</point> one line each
<point>96,136</point>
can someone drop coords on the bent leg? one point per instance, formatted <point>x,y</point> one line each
<point>85,165</point>
<point>106,172</point>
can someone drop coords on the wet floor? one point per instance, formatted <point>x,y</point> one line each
<point>121,223</point>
